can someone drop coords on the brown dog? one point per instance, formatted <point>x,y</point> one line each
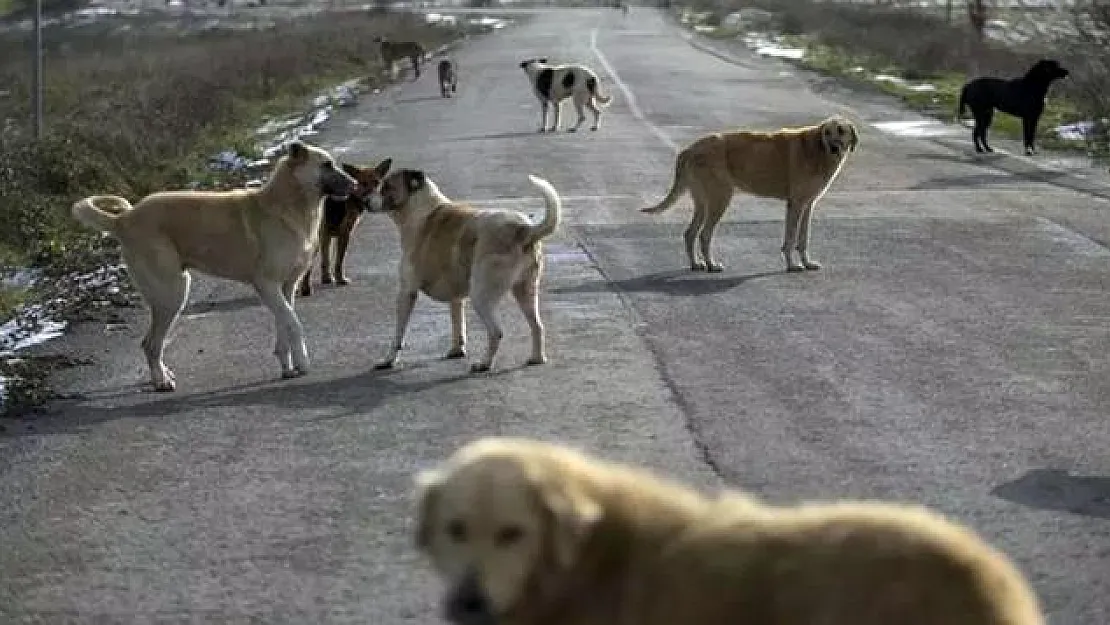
<point>530,533</point>
<point>796,165</point>
<point>341,215</point>
<point>263,237</point>
<point>452,251</point>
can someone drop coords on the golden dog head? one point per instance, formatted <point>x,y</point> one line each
<point>401,187</point>
<point>494,523</point>
<point>314,168</point>
<point>838,135</point>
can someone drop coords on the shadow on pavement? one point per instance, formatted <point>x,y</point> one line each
<point>678,282</point>
<point>1056,489</point>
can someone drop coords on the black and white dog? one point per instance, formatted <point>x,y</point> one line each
<point>1021,97</point>
<point>554,83</point>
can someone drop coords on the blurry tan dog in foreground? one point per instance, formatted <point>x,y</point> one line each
<point>452,251</point>
<point>796,165</point>
<point>263,237</point>
<point>528,533</point>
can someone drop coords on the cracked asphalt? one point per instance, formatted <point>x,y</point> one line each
<point>952,352</point>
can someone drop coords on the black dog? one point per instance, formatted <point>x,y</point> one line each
<point>1021,97</point>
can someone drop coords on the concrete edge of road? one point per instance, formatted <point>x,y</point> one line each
<point>1004,160</point>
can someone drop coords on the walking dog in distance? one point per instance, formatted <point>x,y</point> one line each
<point>526,532</point>
<point>1022,97</point>
<point>452,251</point>
<point>393,51</point>
<point>448,78</point>
<point>796,165</point>
<point>554,83</point>
<point>264,237</point>
<point>341,215</point>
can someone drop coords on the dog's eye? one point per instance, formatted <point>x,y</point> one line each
<point>329,165</point>
<point>507,536</point>
<point>456,529</point>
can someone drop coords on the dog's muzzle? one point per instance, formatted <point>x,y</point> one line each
<point>467,604</point>
<point>372,203</point>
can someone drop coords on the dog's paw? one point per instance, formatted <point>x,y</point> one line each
<point>305,291</point>
<point>342,281</point>
<point>383,365</point>
<point>697,266</point>
<point>165,386</point>
<point>713,267</point>
<point>542,130</point>
<point>811,265</point>
<point>479,367</point>
<point>795,268</point>
<point>593,127</point>
<point>295,372</point>
<point>537,360</point>
<point>325,279</point>
<point>456,352</point>
<point>572,129</point>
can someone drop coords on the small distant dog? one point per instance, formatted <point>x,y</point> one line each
<point>393,51</point>
<point>554,83</point>
<point>448,78</point>
<point>793,164</point>
<point>1021,97</point>
<point>452,251</point>
<point>264,237</point>
<point>341,215</point>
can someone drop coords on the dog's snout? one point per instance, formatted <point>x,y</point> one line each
<point>468,604</point>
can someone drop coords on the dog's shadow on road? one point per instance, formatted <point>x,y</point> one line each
<point>497,135</point>
<point>677,283</point>
<point>350,395</point>
<point>1056,489</point>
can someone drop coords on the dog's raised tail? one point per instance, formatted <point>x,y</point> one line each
<point>553,212</point>
<point>678,186</point>
<point>100,212</point>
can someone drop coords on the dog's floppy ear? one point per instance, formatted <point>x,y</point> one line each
<point>428,485</point>
<point>571,515</point>
<point>382,168</point>
<point>414,180</point>
<point>297,150</point>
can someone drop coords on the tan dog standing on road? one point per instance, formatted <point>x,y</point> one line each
<point>529,533</point>
<point>264,237</point>
<point>393,51</point>
<point>796,165</point>
<point>453,251</point>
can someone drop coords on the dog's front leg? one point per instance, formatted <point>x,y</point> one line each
<point>289,346</point>
<point>1029,132</point>
<point>543,115</point>
<point>558,109</point>
<point>458,329</point>
<point>406,299</point>
<point>790,236</point>
<point>325,255</point>
<point>803,238</point>
<point>340,255</point>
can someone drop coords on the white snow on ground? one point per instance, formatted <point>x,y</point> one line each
<point>901,82</point>
<point>918,128</point>
<point>1079,131</point>
<point>772,47</point>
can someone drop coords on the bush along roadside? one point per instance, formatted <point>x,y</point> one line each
<point>926,74</point>
<point>130,114</point>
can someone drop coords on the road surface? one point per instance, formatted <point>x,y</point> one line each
<point>952,352</point>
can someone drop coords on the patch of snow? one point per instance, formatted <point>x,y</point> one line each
<point>21,278</point>
<point>794,54</point>
<point>1079,131</point>
<point>916,128</point>
<point>901,82</point>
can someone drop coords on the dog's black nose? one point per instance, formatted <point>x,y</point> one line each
<point>468,605</point>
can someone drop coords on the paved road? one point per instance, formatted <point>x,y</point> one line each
<point>952,352</point>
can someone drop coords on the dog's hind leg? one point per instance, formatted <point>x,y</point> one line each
<point>714,209</point>
<point>543,115</point>
<point>165,287</point>
<point>558,108</point>
<point>526,292</point>
<point>289,344</point>
<point>579,105</point>
<point>983,119</point>
<point>697,223</point>
<point>406,299</point>
<point>793,219</point>
<point>592,105</point>
<point>458,329</point>
<point>487,287</point>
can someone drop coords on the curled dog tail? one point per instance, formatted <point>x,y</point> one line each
<point>89,211</point>
<point>553,212</point>
<point>591,84</point>
<point>678,185</point>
